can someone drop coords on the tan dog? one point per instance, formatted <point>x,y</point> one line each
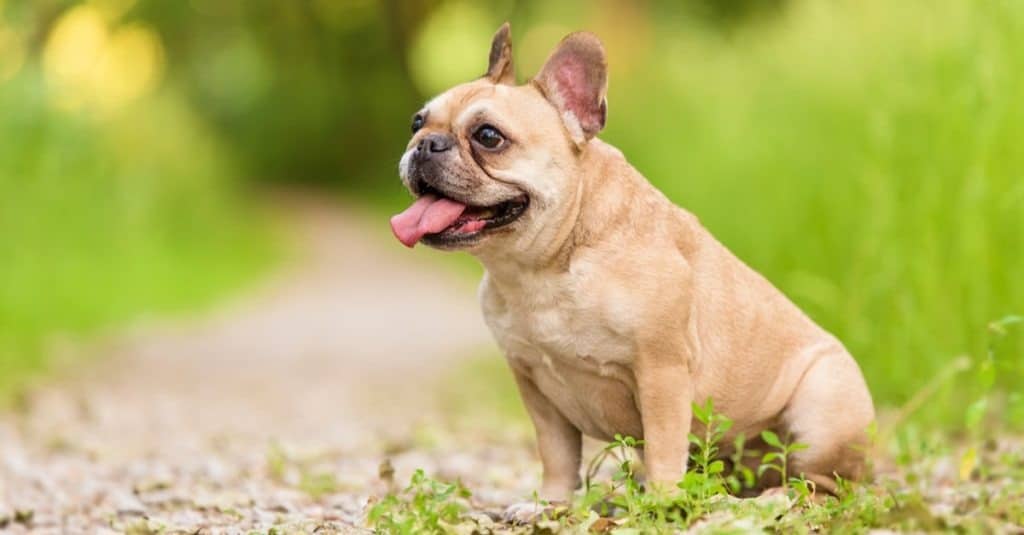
<point>616,309</point>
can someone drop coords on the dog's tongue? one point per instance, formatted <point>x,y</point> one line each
<point>428,215</point>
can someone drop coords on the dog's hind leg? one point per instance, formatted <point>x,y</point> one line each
<point>830,412</point>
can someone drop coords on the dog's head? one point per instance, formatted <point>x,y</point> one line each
<point>494,164</point>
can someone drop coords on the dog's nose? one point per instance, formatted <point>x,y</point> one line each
<point>432,143</point>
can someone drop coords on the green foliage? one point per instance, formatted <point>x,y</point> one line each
<point>706,476</point>
<point>705,488</point>
<point>778,461</point>
<point>318,484</point>
<point>310,92</point>
<point>304,473</point>
<point>624,492</point>
<point>742,477</point>
<point>106,217</point>
<point>912,498</point>
<point>425,506</point>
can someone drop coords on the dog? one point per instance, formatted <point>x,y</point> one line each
<point>616,309</point>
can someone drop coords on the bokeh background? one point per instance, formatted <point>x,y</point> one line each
<point>864,155</point>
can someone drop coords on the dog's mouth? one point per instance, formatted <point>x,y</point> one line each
<point>439,220</point>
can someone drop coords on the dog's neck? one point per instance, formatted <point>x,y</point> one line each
<point>558,251</point>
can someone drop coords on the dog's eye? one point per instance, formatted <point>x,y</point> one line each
<point>488,136</point>
<point>417,123</point>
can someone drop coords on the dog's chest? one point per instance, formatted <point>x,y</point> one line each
<point>575,345</point>
<point>562,319</point>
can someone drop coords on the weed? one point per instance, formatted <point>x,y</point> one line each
<point>425,506</point>
<point>702,502</point>
<point>975,487</point>
<point>302,473</point>
<point>318,484</point>
<point>742,477</point>
<point>778,461</point>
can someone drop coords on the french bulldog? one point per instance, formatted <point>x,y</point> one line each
<point>616,309</point>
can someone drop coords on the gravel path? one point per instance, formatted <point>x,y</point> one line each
<point>274,410</point>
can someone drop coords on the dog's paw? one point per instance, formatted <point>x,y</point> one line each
<point>526,513</point>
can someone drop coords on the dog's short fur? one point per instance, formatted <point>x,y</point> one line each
<point>616,309</point>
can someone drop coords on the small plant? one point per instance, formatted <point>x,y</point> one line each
<point>619,449</point>
<point>701,501</point>
<point>277,462</point>
<point>318,484</point>
<point>987,370</point>
<point>742,477</point>
<point>425,506</point>
<point>635,507</point>
<point>706,477</point>
<point>624,493</point>
<point>778,461</point>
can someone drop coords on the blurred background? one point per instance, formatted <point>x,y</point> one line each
<point>864,155</point>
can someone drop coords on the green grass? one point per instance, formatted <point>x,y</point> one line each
<point>925,477</point>
<point>933,487</point>
<point>106,218</point>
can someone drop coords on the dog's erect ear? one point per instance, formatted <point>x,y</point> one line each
<point>500,69</point>
<point>575,80</point>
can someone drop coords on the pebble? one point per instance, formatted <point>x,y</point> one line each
<point>128,505</point>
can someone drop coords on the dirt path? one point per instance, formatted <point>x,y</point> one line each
<point>274,410</point>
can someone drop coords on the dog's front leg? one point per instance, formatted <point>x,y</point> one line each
<point>559,442</point>
<point>665,393</point>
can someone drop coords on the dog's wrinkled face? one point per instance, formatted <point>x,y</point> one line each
<point>471,157</point>
<point>490,162</point>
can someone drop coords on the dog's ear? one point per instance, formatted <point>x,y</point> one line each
<point>575,81</point>
<point>500,69</point>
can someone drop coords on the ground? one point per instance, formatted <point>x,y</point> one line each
<point>254,415</point>
<point>300,406</point>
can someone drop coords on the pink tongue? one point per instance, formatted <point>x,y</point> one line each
<point>428,215</point>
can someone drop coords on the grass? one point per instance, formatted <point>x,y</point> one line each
<point>926,478</point>
<point>924,491</point>
<point>110,217</point>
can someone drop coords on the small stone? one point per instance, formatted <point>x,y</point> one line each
<point>386,472</point>
<point>281,506</point>
<point>151,485</point>
<point>313,511</point>
<point>263,516</point>
<point>164,498</point>
<point>603,525</point>
<point>215,470</point>
<point>187,518</point>
<point>484,520</point>
<point>128,505</point>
